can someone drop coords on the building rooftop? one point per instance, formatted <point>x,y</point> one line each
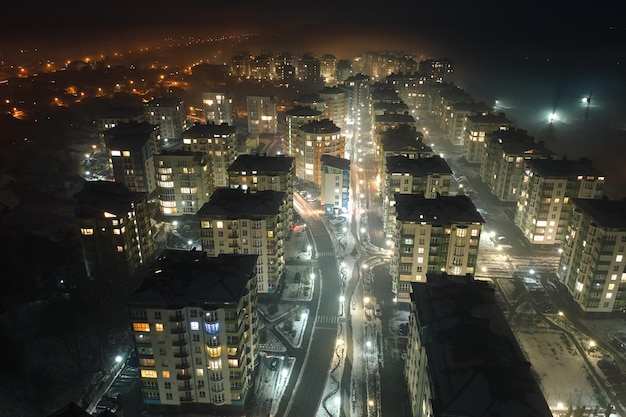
<point>518,142</point>
<point>335,161</point>
<point>417,166</point>
<point>394,118</point>
<point>97,197</point>
<point>324,126</point>
<point>303,111</point>
<point>131,135</point>
<point>209,130</point>
<point>187,278</point>
<point>475,363</point>
<point>499,118</point>
<point>235,203</point>
<point>261,163</point>
<point>563,168</point>
<point>440,210</point>
<point>164,102</point>
<point>610,214</point>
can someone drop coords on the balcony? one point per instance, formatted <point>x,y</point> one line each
<point>182,366</point>
<point>186,399</point>
<point>178,318</point>
<point>183,377</point>
<point>184,388</point>
<point>181,354</point>
<point>178,330</point>
<point>180,342</point>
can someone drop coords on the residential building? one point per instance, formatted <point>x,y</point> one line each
<point>336,106</point>
<point>254,173</point>
<point>335,184</point>
<point>504,164</point>
<point>456,119</point>
<point>115,231</point>
<point>328,69</point>
<point>412,88</point>
<point>183,180</point>
<point>294,119</point>
<point>437,70</point>
<point>358,88</point>
<point>593,261</point>
<point>169,114</point>
<point>462,357</point>
<point>131,147</point>
<point>404,140</point>
<point>238,221</point>
<point>195,328</point>
<point>388,121</point>
<point>262,115</point>
<point>315,139</point>
<point>217,141</point>
<point>542,208</point>
<point>427,176</point>
<point>476,129</point>
<point>439,234</point>
<point>218,107</point>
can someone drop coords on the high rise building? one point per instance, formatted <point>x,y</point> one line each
<point>427,176</point>
<point>403,140</point>
<point>217,141</point>
<point>195,329</point>
<point>593,261</point>
<point>183,181</point>
<point>462,357</point>
<point>315,139</point>
<point>218,107</point>
<point>335,185</point>
<point>262,115</point>
<point>237,221</point>
<point>169,114</point>
<point>437,70</point>
<point>336,106</point>
<point>116,235</point>
<point>476,129</point>
<point>294,118</point>
<point>433,235</point>
<point>549,184</point>
<point>256,173</point>
<point>131,147</point>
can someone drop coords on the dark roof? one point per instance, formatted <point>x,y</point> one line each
<point>440,210</point>
<point>209,130</point>
<point>164,102</point>
<point>498,118</point>
<point>474,361</point>
<point>417,166</point>
<point>518,142</point>
<point>71,409</point>
<point>182,278</point>
<point>335,161</point>
<point>101,196</point>
<point>261,163</point>
<point>324,126</point>
<point>235,203</point>
<point>303,111</point>
<point>610,214</point>
<point>394,118</point>
<point>133,134</point>
<point>563,168</point>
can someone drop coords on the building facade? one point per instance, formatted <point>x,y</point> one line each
<point>476,129</point>
<point>262,115</point>
<point>593,260</point>
<point>237,221</point>
<point>169,114</point>
<point>542,212</point>
<point>433,235</point>
<point>115,231</point>
<point>219,142</point>
<point>335,186</point>
<point>218,107</point>
<point>315,139</point>
<point>195,329</point>
<point>183,180</point>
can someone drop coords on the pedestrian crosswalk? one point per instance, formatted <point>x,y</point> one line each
<point>327,319</point>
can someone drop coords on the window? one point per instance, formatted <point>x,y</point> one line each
<point>148,373</point>
<point>158,327</point>
<point>194,325</point>
<point>166,374</point>
<point>141,327</point>
<point>86,232</point>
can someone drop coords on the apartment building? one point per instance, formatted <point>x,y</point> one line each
<point>412,88</point>
<point>504,164</point>
<point>403,140</point>
<point>335,186</point>
<point>262,115</point>
<point>217,141</point>
<point>542,212</point>
<point>315,139</point>
<point>456,118</point>
<point>218,107</point>
<point>439,234</point>
<point>336,106</point>
<point>183,180</point>
<point>427,176</point>
<point>437,70</point>
<point>387,121</point>
<point>294,119</point>
<point>593,260</point>
<point>115,231</point>
<point>476,129</point>
<point>238,221</point>
<point>195,329</point>
<point>169,114</point>
<point>462,357</point>
<point>256,173</point>
<point>131,148</point>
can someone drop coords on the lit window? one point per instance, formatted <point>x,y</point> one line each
<point>116,153</point>
<point>158,327</point>
<point>618,258</point>
<point>141,327</point>
<point>609,295</point>
<point>86,232</point>
<point>199,372</point>
<point>166,374</point>
<point>194,325</point>
<point>220,225</point>
<point>120,248</point>
<point>125,153</point>
<point>116,231</point>
<point>148,373</point>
